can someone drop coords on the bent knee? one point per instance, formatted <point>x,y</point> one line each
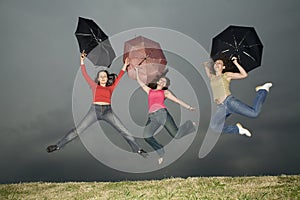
<point>216,127</point>
<point>254,114</point>
<point>148,139</point>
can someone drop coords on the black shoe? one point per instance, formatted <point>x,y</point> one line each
<point>52,148</point>
<point>142,152</point>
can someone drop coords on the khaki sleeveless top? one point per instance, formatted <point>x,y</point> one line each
<point>220,87</point>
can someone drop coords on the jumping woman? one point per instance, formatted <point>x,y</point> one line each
<point>102,89</point>
<point>227,104</point>
<point>158,114</point>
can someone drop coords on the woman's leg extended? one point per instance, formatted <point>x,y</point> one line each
<point>238,107</point>
<point>178,132</point>
<point>234,105</point>
<point>170,125</point>
<point>151,127</point>
<point>87,121</point>
<point>111,118</point>
<point>218,120</point>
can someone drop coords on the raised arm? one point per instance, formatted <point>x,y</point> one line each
<point>143,85</point>
<point>88,79</point>
<point>239,75</point>
<point>121,73</point>
<point>207,69</point>
<point>170,96</point>
<point>126,64</point>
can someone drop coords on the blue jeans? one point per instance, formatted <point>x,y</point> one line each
<point>163,118</point>
<point>233,105</point>
<point>95,113</point>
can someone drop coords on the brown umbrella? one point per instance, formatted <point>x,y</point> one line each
<point>147,55</point>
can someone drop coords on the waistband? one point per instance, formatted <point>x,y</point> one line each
<point>158,111</point>
<point>101,106</point>
<point>226,99</point>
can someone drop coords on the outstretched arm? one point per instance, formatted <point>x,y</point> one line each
<point>143,85</point>
<point>242,73</point>
<point>170,96</point>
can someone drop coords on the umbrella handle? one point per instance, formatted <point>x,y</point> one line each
<point>83,54</point>
<point>144,58</point>
<point>233,58</point>
<point>142,61</point>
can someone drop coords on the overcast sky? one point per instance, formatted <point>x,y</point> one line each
<point>40,60</point>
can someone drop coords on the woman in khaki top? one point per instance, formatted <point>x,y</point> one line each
<point>228,104</point>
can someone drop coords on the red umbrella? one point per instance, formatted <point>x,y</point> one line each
<point>147,55</point>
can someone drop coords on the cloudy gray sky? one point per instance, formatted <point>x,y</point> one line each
<point>39,56</point>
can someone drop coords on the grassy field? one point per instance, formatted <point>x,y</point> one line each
<point>254,187</point>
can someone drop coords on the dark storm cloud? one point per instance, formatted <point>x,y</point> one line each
<point>39,61</point>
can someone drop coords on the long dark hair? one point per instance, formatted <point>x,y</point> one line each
<point>110,77</point>
<point>229,67</point>
<point>153,85</point>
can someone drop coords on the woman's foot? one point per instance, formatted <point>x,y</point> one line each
<point>52,148</point>
<point>142,152</point>
<point>160,160</point>
<point>243,131</point>
<point>265,86</point>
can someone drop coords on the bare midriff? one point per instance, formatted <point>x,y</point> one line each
<point>101,103</point>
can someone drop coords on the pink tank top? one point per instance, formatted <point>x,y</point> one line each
<point>156,100</point>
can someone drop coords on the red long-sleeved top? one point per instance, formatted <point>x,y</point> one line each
<point>100,93</point>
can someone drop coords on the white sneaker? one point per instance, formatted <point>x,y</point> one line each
<point>243,131</point>
<point>265,86</point>
<point>160,160</point>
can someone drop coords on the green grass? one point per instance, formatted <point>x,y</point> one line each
<point>244,188</point>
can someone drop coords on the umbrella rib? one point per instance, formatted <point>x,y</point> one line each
<point>249,55</point>
<point>83,34</point>
<point>242,40</point>
<point>252,45</point>
<point>225,50</point>
<point>235,42</point>
<point>95,36</point>
<point>227,43</point>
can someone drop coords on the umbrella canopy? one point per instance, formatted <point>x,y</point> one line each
<point>241,42</point>
<point>147,55</point>
<point>94,42</point>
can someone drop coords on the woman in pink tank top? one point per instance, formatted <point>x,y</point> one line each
<point>158,114</point>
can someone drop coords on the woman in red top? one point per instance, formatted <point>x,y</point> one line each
<point>158,115</point>
<point>102,89</point>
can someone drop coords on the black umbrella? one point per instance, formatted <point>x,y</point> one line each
<point>241,42</point>
<point>94,42</point>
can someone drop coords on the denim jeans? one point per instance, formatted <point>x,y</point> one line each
<point>233,105</point>
<point>163,118</point>
<point>95,113</point>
